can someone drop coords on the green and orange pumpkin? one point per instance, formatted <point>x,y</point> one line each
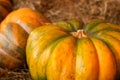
<point>68,51</point>
<point>14,31</point>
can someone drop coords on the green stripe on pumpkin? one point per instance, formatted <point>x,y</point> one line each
<point>104,26</point>
<point>93,24</point>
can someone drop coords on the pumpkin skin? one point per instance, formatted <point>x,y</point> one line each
<point>5,8</point>
<point>27,18</point>
<point>11,51</point>
<point>54,54</point>
<point>13,36</point>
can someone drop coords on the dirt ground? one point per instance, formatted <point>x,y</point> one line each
<point>57,10</point>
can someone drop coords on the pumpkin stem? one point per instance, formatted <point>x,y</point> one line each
<point>79,34</point>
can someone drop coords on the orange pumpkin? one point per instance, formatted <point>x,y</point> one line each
<point>15,29</point>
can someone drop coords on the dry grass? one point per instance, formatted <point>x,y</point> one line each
<point>86,10</point>
<point>57,10</point>
<point>17,74</point>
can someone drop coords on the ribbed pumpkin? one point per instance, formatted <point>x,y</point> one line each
<point>15,29</point>
<point>66,51</point>
<point>5,8</point>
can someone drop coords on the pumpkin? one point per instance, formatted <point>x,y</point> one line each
<point>66,50</point>
<point>15,29</point>
<point>5,8</point>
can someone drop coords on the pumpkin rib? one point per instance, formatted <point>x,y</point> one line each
<point>72,25</point>
<point>16,54</point>
<point>64,25</point>
<point>113,43</point>
<point>113,33</point>
<point>13,33</point>
<point>43,30</point>
<point>42,75</point>
<point>14,46</point>
<point>8,61</point>
<point>98,36</point>
<point>57,39</point>
<point>75,24</point>
<point>93,24</point>
<point>105,30</point>
<point>87,66</point>
<point>26,26</point>
<point>107,63</point>
<point>28,21</point>
<point>58,72</point>
<point>104,26</point>
<point>11,48</point>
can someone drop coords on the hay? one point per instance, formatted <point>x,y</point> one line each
<point>86,10</point>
